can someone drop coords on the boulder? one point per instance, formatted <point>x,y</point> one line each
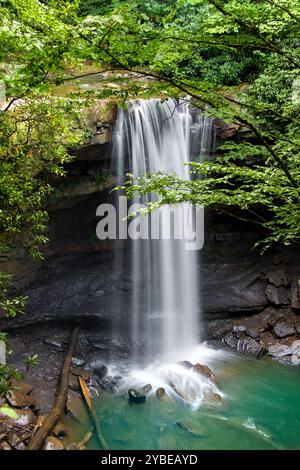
<point>277,278</point>
<point>186,364</point>
<point>98,368</point>
<point>283,329</point>
<point>19,400</point>
<point>239,328</point>
<point>59,430</point>
<point>5,446</point>
<point>135,397</point>
<point>250,347</point>
<point>52,443</point>
<point>147,388</point>
<point>77,362</point>
<point>75,406</point>
<point>295,295</point>
<point>280,350</point>
<point>74,383</point>
<point>231,341</point>
<point>205,371</point>
<point>26,417</point>
<point>160,392</point>
<point>253,332</point>
<point>277,295</point>
<point>21,387</point>
<point>79,371</point>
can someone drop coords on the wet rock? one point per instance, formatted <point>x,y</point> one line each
<point>147,388</point>
<point>98,368</point>
<point>205,371</point>
<point>80,372</point>
<point>277,295</point>
<point>267,339</point>
<point>212,399</point>
<point>74,383</point>
<point>93,392</point>
<point>59,430</point>
<point>296,358</point>
<point>186,364</point>
<point>239,328</point>
<point>54,342</point>
<point>160,392</point>
<point>295,294</point>
<point>250,347</point>
<point>13,439</point>
<point>135,397</point>
<point>75,406</point>
<point>277,278</point>
<point>20,446</point>
<point>280,350</point>
<point>296,345</point>
<point>298,329</point>
<point>5,446</point>
<point>253,332</point>
<point>19,400</point>
<point>26,417</point>
<point>21,387</point>
<point>231,341</point>
<point>283,329</point>
<point>77,362</point>
<point>52,443</point>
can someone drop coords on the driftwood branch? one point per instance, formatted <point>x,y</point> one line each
<point>95,421</point>
<point>39,437</point>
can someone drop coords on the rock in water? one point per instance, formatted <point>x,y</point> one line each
<point>136,397</point>
<point>147,388</point>
<point>282,330</point>
<point>205,370</point>
<point>280,350</point>
<point>249,346</point>
<point>160,392</point>
<point>186,364</point>
<point>98,368</point>
<point>52,443</point>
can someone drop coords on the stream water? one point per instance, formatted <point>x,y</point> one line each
<point>260,410</point>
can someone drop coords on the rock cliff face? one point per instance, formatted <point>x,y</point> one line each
<point>78,279</point>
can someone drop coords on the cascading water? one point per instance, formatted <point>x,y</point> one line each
<point>153,136</point>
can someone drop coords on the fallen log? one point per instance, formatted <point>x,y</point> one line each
<point>50,421</point>
<point>95,421</point>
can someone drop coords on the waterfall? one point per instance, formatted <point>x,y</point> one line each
<point>153,136</point>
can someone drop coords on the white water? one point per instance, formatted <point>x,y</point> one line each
<point>165,321</point>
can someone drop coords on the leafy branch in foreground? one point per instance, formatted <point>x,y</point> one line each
<point>262,193</point>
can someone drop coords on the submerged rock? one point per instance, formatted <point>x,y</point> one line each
<point>212,399</point>
<point>250,347</point>
<point>283,329</point>
<point>160,392</point>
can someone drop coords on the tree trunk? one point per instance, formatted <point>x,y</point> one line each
<point>39,437</point>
